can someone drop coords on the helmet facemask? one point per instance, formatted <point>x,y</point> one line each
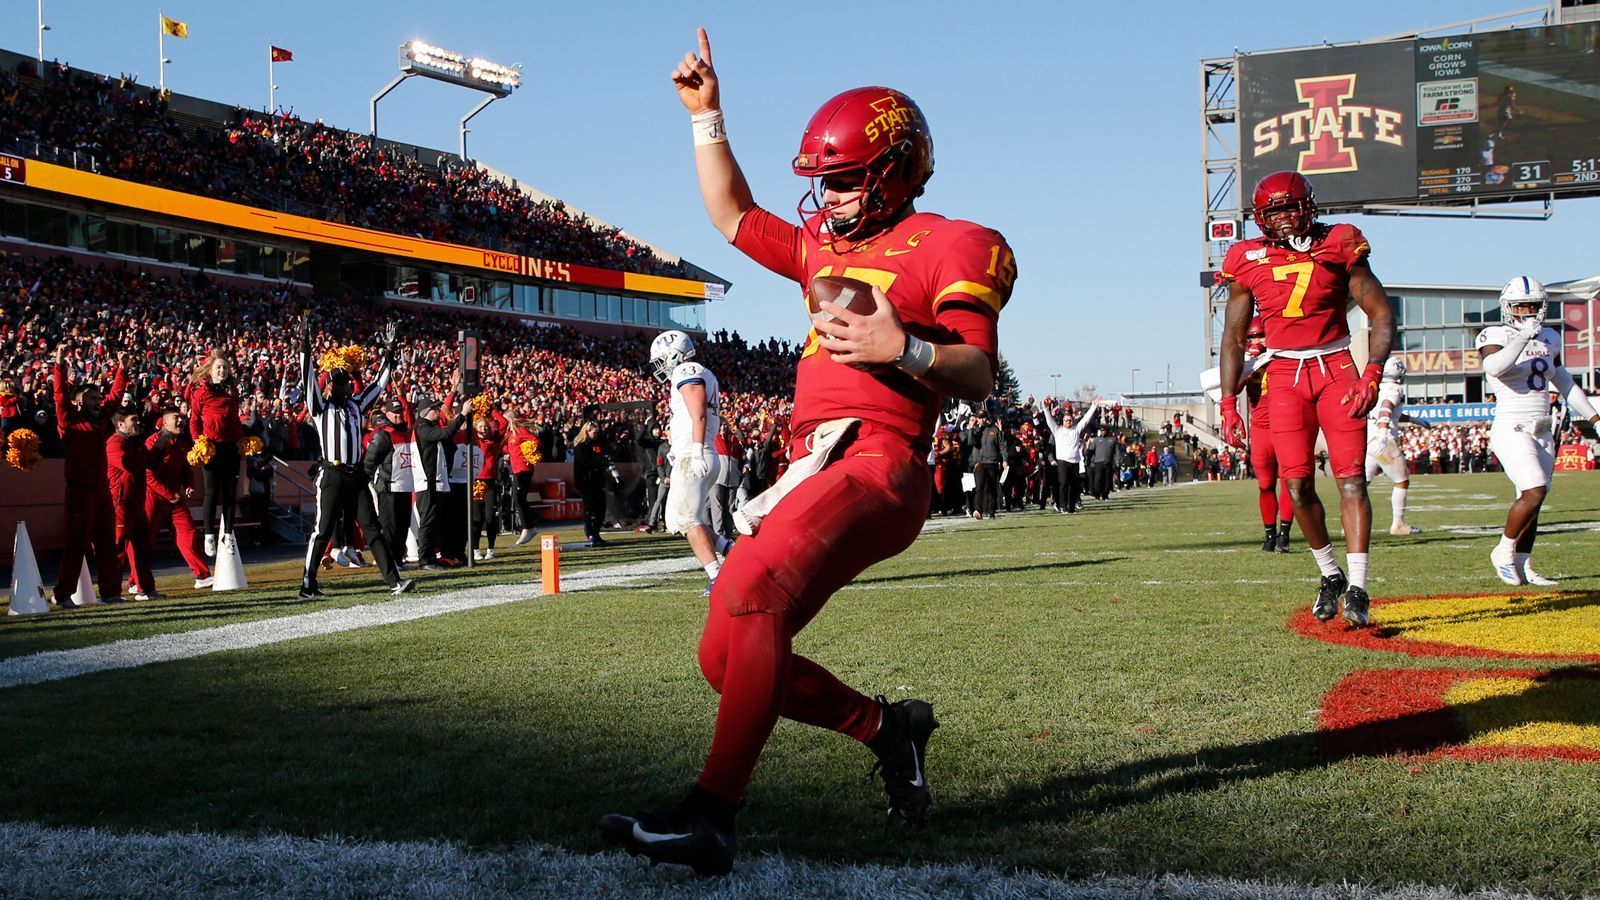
<point>1523,291</point>
<point>1284,206</point>
<point>1288,222</point>
<point>869,185</point>
<point>667,352</point>
<point>1508,310</point>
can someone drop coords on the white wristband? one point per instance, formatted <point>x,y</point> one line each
<point>917,358</point>
<point>708,128</point>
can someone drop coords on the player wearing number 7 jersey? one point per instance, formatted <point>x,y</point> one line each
<point>868,392</point>
<point>1300,277</point>
<point>1521,364</point>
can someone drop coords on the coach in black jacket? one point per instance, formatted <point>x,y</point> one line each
<point>433,475</point>
<point>378,463</point>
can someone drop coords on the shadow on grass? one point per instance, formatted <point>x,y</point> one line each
<point>1560,697</point>
<point>987,571</point>
<point>1529,604</point>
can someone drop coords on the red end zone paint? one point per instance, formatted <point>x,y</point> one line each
<point>1407,712</point>
<point>1396,640</point>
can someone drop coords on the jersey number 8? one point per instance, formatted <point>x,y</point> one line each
<point>1536,379</point>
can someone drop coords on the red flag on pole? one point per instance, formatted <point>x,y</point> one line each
<point>281,55</point>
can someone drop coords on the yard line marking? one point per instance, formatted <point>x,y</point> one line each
<point>90,861</point>
<point>53,665</point>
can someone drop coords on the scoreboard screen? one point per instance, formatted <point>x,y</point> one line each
<point>1488,114</point>
<point>1509,111</point>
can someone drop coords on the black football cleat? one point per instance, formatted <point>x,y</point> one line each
<point>682,835</point>
<point>1271,543</point>
<point>1283,538</point>
<point>901,746</point>
<point>1327,604</point>
<point>1356,603</point>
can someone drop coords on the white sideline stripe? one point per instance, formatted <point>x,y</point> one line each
<point>96,862</point>
<point>53,665</point>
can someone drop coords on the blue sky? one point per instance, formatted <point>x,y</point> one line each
<point>1071,128</point>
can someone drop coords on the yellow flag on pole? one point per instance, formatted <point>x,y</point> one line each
<point>174,27</point>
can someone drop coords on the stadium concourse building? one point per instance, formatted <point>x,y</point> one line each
<point>53,198</point>
<point>1438,325</point>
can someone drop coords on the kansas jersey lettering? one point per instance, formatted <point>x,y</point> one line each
<point>1522,393</point>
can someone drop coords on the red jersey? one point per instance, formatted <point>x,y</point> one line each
<point>948,280</point>
<point>169,471</point>
<point>83,434</point>
<point>126,468</point>
<point>1302,297</point>
<point>214,413</point>
<point>492,443</point>
<point>514,441</point>
<point>1255,392</point>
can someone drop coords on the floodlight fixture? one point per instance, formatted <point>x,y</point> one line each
<point>422,58</point>
<point>419,57</point>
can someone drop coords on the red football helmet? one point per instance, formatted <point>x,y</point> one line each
<point>1284,206</point>
<point>1255,339</point>
<point>874,138</point>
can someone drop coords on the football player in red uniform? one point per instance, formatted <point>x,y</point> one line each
<point>1277,507</point>
<point>868,392</point>
<point>1300,276</point>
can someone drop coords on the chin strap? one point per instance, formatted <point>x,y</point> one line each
<point>1299,243</point>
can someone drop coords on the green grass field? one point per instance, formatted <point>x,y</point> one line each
<point>1120,691</point>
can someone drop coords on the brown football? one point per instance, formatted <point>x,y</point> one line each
<point>848,293</point>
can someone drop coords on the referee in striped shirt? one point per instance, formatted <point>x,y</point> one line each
<point>342,487</point>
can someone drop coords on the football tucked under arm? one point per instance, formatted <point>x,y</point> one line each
<point>847,293</point>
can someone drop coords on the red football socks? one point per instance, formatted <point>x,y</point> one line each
<point>749,659</point>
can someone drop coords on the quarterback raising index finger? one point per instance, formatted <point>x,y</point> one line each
<point>868,391</point>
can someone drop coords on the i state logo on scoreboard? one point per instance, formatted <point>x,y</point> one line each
<point>1341,116</point>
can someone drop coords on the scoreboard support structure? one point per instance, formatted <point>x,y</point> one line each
<point>1223,142</point>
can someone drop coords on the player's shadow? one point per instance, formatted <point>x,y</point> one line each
<point>1563,697</point>
<point>157,611</point>
<point>986,571</point>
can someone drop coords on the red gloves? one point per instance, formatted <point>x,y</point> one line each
<point>1232,425</point>
<point>1363,395</point>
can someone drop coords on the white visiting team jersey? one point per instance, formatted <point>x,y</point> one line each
<point>681,426</point>
<point>1522,393</point>
<point>1393,394</point>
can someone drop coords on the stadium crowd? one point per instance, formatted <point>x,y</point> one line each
<point>169,324</point>
<point>307,168</point>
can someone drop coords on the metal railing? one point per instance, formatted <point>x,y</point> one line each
<point>291,514</point>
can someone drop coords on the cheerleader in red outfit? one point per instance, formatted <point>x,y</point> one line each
<point>214,415</point>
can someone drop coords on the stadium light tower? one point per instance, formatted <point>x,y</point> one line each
<point>421,58</point>
<point>42,29</point>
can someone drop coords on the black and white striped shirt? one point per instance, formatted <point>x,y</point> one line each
<point>339,424</point>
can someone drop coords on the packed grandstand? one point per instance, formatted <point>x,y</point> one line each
<point>169,317</point>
